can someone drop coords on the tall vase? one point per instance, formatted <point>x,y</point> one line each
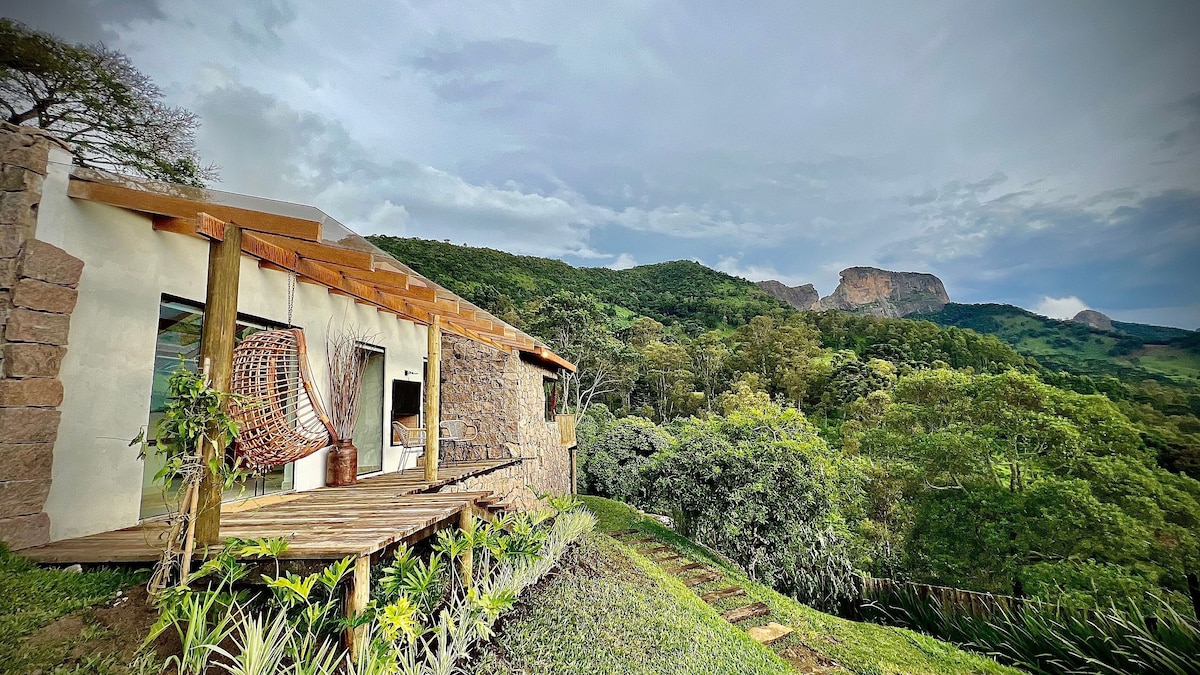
<point>342,467</point>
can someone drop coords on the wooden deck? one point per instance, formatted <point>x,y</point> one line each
<point>322,524</point>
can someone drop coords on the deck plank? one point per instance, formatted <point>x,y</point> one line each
<point>321,524</point>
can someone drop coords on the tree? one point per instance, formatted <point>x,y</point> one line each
<point>94,98</point>
<point>709,356</point>
<point>576,328</point>
<point>761,486</point>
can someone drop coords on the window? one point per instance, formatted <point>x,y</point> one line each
<point>368,428</point>
<point>179,329</point>
<point>551,390</point>
<point>406,406</point>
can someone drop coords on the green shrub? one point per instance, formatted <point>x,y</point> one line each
<point>615,463</point>
<point>762,487</point>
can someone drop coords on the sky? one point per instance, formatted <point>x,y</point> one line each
<point>1043,154</point>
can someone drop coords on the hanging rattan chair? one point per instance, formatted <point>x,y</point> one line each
<point>280,419</point>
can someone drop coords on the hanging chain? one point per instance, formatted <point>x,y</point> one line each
<point>291,295</point>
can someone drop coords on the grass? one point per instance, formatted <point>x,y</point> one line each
<point>32,598</point>
<point>613,611</point>
<point>840,645</point>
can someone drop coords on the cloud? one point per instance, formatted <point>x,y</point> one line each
<point>1060,308</point>
<point>733,266</point>
<point>623,262</point>
<point>922,138</point>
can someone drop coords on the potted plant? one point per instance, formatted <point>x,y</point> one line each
<point>347,363</point>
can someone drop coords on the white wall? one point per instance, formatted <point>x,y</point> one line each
<point>108,371</point>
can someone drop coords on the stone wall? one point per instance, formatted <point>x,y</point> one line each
<point>477,387</point>
<point>502,396</point>
<point>37,295</point>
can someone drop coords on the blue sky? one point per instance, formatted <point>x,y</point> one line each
<point>1045,154</point>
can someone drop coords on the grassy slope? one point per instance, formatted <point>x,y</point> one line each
<point>632,617</point>
<point>614,612</point>
<point>1080,348</point>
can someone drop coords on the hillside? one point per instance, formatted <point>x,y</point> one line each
<point>615,608</point>
<point>680,293</point>
<point>1130,351</point>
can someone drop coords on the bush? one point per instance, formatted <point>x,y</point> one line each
<point>761,486</point>
<point>615,463</point>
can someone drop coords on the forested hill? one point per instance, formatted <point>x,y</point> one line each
<point>681,293</point>
<point>1130,351</point>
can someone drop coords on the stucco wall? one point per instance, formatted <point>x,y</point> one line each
<point>502,395</point>
<point>108,370</point>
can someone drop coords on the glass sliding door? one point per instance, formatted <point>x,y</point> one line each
<point>368,429</point>
<point>178,342</point>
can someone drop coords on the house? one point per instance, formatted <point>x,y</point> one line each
<point>102,291</point>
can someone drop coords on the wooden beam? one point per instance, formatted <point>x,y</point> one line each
<point>324,252</point>
<point>216,356</point>
<point>209,227</point>
<point>177,225</point>
<point>433,399</point>
<point>180,207</point>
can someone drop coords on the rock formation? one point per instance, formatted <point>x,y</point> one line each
<point>801,297</point>
<point>876,292</point>
<point>1094,319</point>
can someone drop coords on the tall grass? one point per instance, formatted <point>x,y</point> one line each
<point>1054,641</point>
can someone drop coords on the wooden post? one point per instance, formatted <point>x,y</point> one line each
<point>466,562</point>
<point>433,399</point>
<point>358,594</point>
<point>572,451</point>
<point>216,351</point>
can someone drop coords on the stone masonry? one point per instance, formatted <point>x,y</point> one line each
<point>37,295</point>
<point>502,396</point>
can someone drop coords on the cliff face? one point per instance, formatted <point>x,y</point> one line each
<point>876,292</point>
<point>1094,319</point>
<point>801,297</point>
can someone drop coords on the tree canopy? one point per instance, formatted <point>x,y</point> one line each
<point>94,98</point>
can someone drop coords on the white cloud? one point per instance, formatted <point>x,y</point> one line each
<point>1060,308</point>
<point>623,262</point>
<point>733,266</point>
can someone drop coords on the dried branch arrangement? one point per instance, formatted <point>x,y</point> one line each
<point>347,364</point>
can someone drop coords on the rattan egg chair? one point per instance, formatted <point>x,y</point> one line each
<point>280,418</point>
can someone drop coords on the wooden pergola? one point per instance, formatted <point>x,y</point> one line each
<point>295,245</point>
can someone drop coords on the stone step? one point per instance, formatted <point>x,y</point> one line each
<point>771,632</point>
<point>623,533</point>
<point>721,594</point>
<point>641,540</point>
<point>653,550</point>
<point>748,612</point>
<point>702,578</point>
<point>686,567</point>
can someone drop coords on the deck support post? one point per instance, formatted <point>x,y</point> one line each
<point>216,355</point>
<point>433,399</point>
<point>358,593</point>
<point>466,562</point>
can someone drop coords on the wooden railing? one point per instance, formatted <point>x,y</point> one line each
<point>566,428</point>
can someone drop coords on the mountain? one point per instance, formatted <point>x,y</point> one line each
<point>682,293</point>
<point>875,292</point>
<point>1130,351</point>
<point>802,298</point>
<point>694,298</point>
<point>868,291</point>
<point>1094,319</point>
